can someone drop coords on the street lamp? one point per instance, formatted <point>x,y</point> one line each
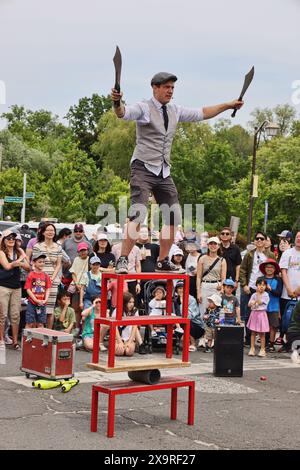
<point>271,129</point>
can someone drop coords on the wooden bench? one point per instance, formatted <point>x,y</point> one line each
<point>120,388</point>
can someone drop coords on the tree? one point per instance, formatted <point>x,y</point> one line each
<point>11,184</point>
<point>84,117</point>
<point>115,144</point>
<point>283,115</point>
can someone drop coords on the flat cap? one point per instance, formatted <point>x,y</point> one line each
<point>163,77</point>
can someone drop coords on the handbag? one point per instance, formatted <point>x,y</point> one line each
<point>72,288</point>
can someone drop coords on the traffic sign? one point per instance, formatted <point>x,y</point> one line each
<point>30,195</point>
<point>13,199</point>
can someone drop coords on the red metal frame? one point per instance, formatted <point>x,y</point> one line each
<point>112,389</point>
<point>169,320</point>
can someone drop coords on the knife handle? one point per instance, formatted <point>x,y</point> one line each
<point>234,113</point>
<point>117,103</point>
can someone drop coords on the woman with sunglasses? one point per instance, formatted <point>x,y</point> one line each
<point>249,273</point>
<point>12,258</point>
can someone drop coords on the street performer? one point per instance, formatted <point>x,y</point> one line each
<point>156,121</point>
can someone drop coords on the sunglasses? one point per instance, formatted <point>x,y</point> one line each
<point>262,239</point>
<point>78,231</point>
<point>10,237</point>
<point>225,233</point>
<point>98,302</point>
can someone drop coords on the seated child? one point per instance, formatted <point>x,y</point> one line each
<point>126,336</point>
<point>157,307</point>
<point>230,304</point>
<point>194,314</point>
<point>64,315</point>
<point>211,319</point>
<point>38,286</point>
<point>88,317</point>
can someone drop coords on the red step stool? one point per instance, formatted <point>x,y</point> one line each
<point>121,388</point>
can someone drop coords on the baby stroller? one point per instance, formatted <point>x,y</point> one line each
<point>160,340</point>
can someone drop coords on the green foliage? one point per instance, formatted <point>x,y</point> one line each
<point>283,115</point>
<point>115,144</point>
<point>84,117</point>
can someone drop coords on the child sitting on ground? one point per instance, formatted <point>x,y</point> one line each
<point>127,336</point>
<point>38,286</point>
<point>157,307</point>
<point>196,324</point>
<point>64,315</point>
<point>230,304</point>
<point>211,319</point>
<point>88,317</point>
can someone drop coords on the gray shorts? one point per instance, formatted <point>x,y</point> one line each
<point>142,183</point>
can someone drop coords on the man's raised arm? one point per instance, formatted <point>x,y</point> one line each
<point>212,111</point>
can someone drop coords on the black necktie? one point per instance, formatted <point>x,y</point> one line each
<point>165,115</point>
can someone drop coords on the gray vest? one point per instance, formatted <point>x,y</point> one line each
<point>153,142</point>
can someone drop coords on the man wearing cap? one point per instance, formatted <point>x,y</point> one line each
<point>285,242</point>
<point>230,251</point>
<point>70,246</point>
<point>156,122</point>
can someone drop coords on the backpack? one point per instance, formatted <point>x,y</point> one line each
<point>288,312</point>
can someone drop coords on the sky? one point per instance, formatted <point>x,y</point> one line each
<point>55,52</point>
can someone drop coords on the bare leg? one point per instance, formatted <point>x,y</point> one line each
<point>15,331</point>
<point>166,240</point>
<point>103,331</point>
<point>252,344</point>
<point>50,320</point>
<point>130,237</point>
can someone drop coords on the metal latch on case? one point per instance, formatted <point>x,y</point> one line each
<point>29,338</point>
<point>45,342</point>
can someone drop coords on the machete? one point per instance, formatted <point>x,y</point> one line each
<point>118,67</point>
<point>247,81</point>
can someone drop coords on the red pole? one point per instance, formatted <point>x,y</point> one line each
<point>174,403</point>
<point>191,412</point>
<point>104,296</point>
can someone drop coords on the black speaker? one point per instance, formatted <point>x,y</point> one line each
<point>229,351</point>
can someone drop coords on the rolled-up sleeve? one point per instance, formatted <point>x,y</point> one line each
<point>137,112</point>
<point>189,114</point>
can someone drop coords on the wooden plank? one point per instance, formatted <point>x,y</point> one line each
<point>128,365</point>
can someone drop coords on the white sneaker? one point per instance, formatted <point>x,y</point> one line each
<point>102,347</point>
<point>179,330</point>
<point>8,340</point>
<point>153,334</point>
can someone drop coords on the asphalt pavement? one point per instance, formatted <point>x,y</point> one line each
<point>230,413</point>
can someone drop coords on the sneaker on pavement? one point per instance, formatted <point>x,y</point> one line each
<point>179,330</point>
<point>79,343</point>
<point>166,266</point>
<point>102,347</point>
<point>8,340</point>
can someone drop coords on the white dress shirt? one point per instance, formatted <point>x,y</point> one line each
<point>140,112</point>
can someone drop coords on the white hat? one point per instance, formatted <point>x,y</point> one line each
<point>102,236</point>
<point>213,240</point>
<point>178,251</point>
<point>217,300</point>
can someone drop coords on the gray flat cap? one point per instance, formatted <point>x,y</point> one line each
<point>163,77</point>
